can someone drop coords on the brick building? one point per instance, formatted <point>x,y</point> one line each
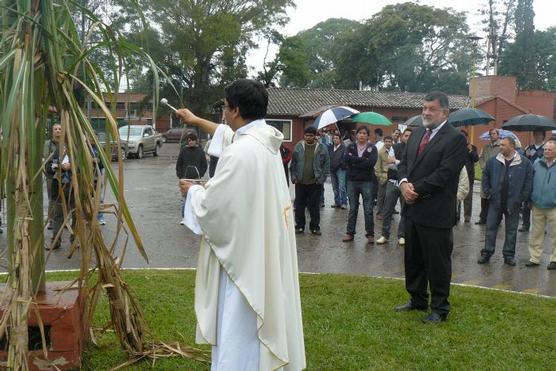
<point>291,110</point>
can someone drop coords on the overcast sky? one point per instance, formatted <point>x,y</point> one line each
<point>310,12</point>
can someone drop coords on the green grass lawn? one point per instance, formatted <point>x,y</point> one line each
<point>349,324</point>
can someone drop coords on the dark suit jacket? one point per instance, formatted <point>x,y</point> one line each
<point>435,174</point>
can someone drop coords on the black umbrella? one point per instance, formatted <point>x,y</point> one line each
<point>414,122</point>
<point>529,122</point>
<point>469,116</point>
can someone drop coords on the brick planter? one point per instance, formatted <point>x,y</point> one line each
<point>60,314</point>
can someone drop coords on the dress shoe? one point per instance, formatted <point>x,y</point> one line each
<point>370,240</point>
<point>401,241</point>
<point>408,307</point>
<point>551,266</point>
<point>298,230</point>
<point>510,260</point>
<point>316,232</point>
<point>382,240</point>
<point>483,259</point>
<point>347,238</point>
<point>480,222</point>
<point>435,318</point>
<point>531,264</point>
<point>524,228</point>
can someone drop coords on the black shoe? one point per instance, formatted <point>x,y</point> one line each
<point>510,260</point>
<point>524,228</point>
<point>408,307</point>
<point>435,318</point>
<point>551,266</point>
<point>480,222</point>
<point>483,259</point>
<point>298,230</point>
<point>316,232</point>
<point>531,264</point>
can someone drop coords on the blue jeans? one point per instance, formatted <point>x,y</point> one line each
<point>511,220</point>
<point>365,189</point>
<point>339,187</point>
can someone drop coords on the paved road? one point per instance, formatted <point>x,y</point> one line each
<point>151,191</point>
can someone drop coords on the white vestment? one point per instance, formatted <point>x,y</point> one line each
<point>245,216</point>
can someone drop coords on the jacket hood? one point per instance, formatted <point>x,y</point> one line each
<point>269,136</point>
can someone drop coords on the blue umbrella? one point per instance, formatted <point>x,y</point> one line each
<point>501,133</point>
<point>333,115</point>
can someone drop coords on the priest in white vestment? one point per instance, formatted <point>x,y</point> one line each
<point>246,291</point>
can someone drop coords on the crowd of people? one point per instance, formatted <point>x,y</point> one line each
<point>365,170</point>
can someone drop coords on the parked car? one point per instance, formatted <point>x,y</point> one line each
<point>173,135</point>
<point>140,139</point>
<point>114,146</point>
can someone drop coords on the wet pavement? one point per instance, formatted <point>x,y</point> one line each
<point>154,201</point>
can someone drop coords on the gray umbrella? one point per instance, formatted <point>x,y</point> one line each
<point>469,116</point>
<point>414,122</point>
<point>529,122</point>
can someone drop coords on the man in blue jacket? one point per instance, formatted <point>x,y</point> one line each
<point>507,182</point>
<point>543,201</point>
<point>308,169</point>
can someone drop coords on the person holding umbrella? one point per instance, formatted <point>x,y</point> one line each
<point>489,151</point>
<point>471,159</point>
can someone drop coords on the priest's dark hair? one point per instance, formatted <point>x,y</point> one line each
<point>249,96</point>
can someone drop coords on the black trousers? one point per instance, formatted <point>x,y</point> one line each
<point>307,196</point>
<point>428,262</point>
<point>484,210</point>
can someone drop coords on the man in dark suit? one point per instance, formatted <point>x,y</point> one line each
<point>429,173</point>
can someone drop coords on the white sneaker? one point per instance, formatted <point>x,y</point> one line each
<point>182,222</point>
<point>382,240</point>
<point>401,241</point>
<point>102,222</point>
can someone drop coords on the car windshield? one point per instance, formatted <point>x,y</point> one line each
<point>133,131</point>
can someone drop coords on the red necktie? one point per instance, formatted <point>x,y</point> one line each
<point>424,141</point>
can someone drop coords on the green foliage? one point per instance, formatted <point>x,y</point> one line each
<point>521,57</point>
<point>405,47</point>
<point>420,48</point>
<point>308,58</point>
<point>349,324</point>
<point>200,45</point>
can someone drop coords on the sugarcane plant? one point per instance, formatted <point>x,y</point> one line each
<point>44,61</point>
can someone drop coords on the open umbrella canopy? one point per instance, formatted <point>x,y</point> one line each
<point>372,118</point>
<point>529,122</point>
<point>469,116</point>
<point>333,115</point>
<point>501,134</point>
<point>414,122</point>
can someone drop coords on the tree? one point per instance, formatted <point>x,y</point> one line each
<point>521,58</point>
<point>308,58</point>
<point>498,21</point>
<point>201,45</point>
<point>409,47</point>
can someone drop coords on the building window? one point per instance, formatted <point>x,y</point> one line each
<point>285,126</point>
